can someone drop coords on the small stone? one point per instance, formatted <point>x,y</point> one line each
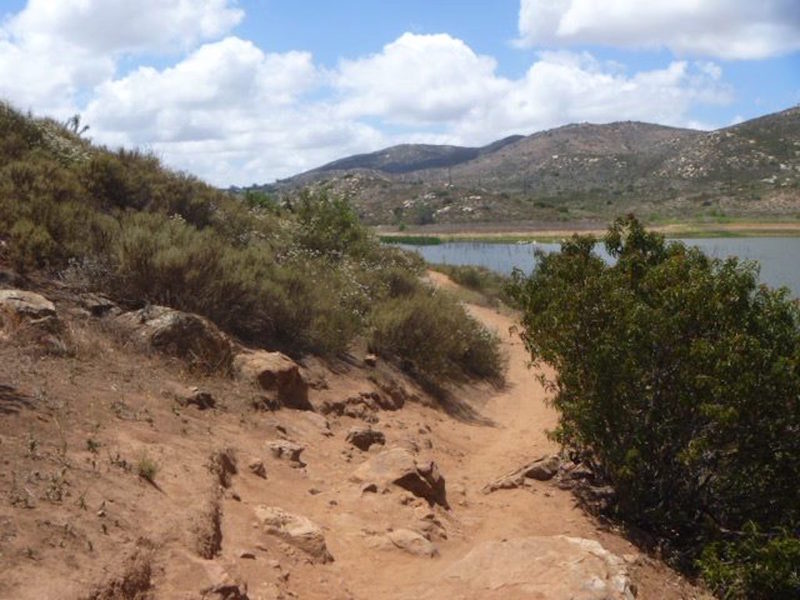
<point>370,360</point>
<point>258,469</point>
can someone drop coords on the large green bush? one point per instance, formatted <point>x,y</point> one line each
<point>304,278</point>
<point>434,337</point>
<point>678,379</point>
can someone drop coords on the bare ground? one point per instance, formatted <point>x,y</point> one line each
<point>78,521</point>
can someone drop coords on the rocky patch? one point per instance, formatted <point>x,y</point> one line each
<point>364,437</point>
<point>288,451</point>
<point>189,396</point>
<point>275,372</point>
<point>296,530</point>
<point>556,568</point>
<point>397,466</point>
<point>542,469</point>
<point>412,542</point>
<point>187,336</point>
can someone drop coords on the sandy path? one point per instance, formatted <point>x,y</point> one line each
<point>521,418</point>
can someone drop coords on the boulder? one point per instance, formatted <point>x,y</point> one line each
<point>26,305</point>
<point>190,337</point>
<point>542,469</point>
<point>364,437</point>
<point>276,372</point>
<point>189,395</point>
<point>295,530</point>
<point>28,316</point>
<point>553,567</point>
<point>412,542</point>
<point>286,450</point>
<point>397,466</point>
<point>98,305</point>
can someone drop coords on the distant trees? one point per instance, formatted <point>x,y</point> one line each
<point>678,380</point>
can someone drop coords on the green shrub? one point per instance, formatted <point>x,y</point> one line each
<point>757,566</point>
<point>433,336</point>
<point>301,280</point>
<point>677,378</point>
<point>493,286</point>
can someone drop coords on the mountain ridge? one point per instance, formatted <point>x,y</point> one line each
<point>576,171</point>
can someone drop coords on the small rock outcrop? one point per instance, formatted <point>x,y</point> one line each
<point>98,305</point>
<point>361,406</point>
<point>396,466</point>
<point>286,450</point>
<point>364,437</point>
<point>187,336</point>
<point>295,530</point>
<point>189,395</point>
<point>412,542</point>
<point>26,305</point>
<point>553,567</point>
<point>542,469</point>
<point>276,372</point>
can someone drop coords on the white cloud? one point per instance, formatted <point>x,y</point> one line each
<point>731,29</point>
<point>232,113</point>
<point>418,79</point>
<point>113,26</point>
<point>563,87</point>
<point>229,112</point>
<point>51,52</point>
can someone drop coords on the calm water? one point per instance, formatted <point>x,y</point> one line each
<point>779,257</point>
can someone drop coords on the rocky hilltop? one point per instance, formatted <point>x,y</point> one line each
<point>581,171</point>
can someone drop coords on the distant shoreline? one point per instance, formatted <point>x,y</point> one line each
<point>502,233</point>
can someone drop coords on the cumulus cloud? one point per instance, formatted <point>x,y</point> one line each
<point>730,29</point>
<point>232,113</point>
<point>418,79</point>
<point>112,26</point>
<point>228,111</point>
<point>50,52</point>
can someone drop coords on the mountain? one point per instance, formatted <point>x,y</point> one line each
<point>579,171</point>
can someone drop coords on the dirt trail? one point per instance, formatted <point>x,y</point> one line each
<point>520,418</point>
<point>79,517</point>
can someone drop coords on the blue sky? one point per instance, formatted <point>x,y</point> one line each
<point>249,91</point>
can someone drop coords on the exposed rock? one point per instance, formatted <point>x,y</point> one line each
<point>276,372</point>
<point>30,317</point>
<point>412,542</point>
<point>187,336</point>
<point>98,305</point>
<point>286,450</point>
<point>223,465</point>
<point>257,468</point>
<point>318,422</point>
<point>370,360</point>
<point>556,568</point>
<point>27,305</point>
<point>189,395</point>
<point>364,437</point>
<point>362,406</point>
<point>542,469</point>
<point>295,530</point>
<point>228,589</point>
<point>397,466</point>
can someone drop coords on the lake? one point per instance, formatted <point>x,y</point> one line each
<point>779,257</point>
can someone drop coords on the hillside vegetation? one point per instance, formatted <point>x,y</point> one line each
<point>578,172</point>
<point>306,277</point>
<point>678,381</point>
